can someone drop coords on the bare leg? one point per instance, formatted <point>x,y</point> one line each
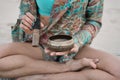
<point>20,49</point>
<point>108,68</point>
<point>88,74</point>
<point>20,65</point>
<point>29,65</point>
<point>108,62</point>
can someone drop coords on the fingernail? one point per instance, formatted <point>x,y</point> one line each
<point>52,54</point>
<point>35,19</point>
<point>97,60</point>
<point>31,28</point>
<point>58,53</point>
<point>66,56</point>
<point>33,22</point>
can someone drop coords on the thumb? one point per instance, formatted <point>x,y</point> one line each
<point>75,48</point>
<point>47,50</point>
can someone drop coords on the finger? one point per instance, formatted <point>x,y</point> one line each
<point>90,62</point>
<point>75,48</point>
<point>47,51</point>
<point>96,61</point>
<point>93,65</point>
<point>26,23</point>
<point>26,29</point>
<point>42,25</point>
<point>30,16</point>
<point>62,53</point>
<point>53,53</point>
<point>22,26</point>
<point>26,18</point>
<point>66,55</point>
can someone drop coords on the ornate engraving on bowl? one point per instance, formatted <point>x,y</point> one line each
<point>60,43</point>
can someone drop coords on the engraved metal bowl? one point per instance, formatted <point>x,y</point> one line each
<point>60,43</point>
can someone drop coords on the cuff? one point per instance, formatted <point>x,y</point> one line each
<point>82,38</point>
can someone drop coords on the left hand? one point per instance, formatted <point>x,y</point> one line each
<point>65,53</point>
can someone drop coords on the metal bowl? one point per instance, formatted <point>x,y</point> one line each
<point>60,43</point>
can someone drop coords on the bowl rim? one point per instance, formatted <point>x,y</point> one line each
<point>68,37</point>
<point>67,42</point>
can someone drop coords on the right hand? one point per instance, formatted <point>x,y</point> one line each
<point>27,22</point>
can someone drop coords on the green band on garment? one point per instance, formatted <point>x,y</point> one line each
<point>82,37</point>
<point>95,23</point>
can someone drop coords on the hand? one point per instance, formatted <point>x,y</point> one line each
<point>27,22</point>
<point>65,53</point>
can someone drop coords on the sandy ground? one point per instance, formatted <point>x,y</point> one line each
<point>108,39</point>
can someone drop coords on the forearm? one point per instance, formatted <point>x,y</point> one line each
<point>85,35</point>
<point>81,38</point>
<point>92,25</point>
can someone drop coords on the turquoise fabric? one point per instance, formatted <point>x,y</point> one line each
<point>45,7</point>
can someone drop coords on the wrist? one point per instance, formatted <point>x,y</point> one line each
<point>77,41</point>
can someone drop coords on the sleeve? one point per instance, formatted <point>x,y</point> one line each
<point>93,23</point>
<point>27,6</point>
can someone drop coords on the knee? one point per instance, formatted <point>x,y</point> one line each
<point>6,49</point>
<point>3,50</point>
<point>13,62</point>
<point>116,73</point>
